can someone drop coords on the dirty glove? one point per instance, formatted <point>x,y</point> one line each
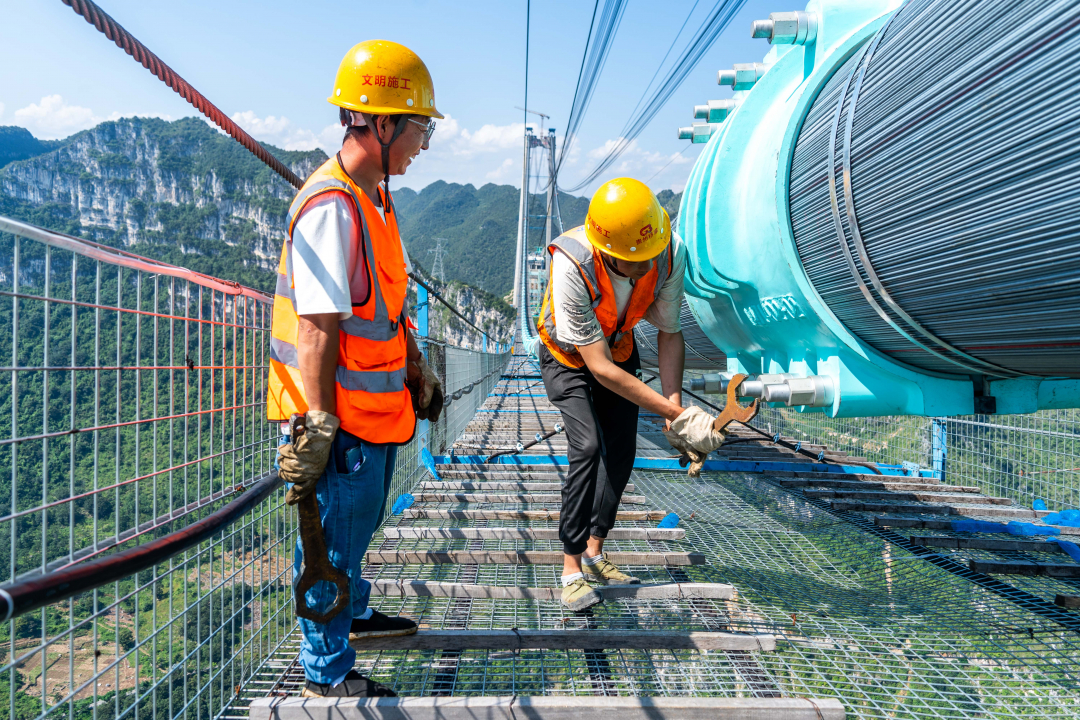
<point>435,408</point>
<point>692,434</point>
<point>695,458</point>
<point>426,390</point>
<point>695,428</point>
<point>302,461</point>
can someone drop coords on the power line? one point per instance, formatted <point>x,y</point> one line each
<point>718,20</point>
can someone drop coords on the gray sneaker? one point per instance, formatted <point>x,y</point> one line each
<point>607,573</point>
<point>578,595</point>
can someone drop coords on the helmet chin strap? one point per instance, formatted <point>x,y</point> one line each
<point>398,129</point>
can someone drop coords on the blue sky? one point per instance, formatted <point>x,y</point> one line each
<point>269,65</point>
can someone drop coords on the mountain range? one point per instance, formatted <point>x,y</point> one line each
<point>185,193</point>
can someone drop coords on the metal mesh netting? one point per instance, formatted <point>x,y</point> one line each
<point>857,617</point>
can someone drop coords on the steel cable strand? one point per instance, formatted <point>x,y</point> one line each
<point>129,44</point>
<point>705,37</point>
<point>124,40</point>
<point>775,439</point>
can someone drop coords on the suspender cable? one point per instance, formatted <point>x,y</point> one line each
<point>595,56</point>
<point>124,40</point>
<point>718,20</point>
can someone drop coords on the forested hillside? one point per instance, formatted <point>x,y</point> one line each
<point>187,194</point>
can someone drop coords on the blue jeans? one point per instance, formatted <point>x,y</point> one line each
<point>351,506</point>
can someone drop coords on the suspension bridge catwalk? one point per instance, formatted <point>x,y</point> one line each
<point>784,591</point>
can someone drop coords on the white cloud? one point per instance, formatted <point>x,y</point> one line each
<point>658,170</point>
<point>282,133</point>
<point>53,118</point>
<point>490,153</point>
<point>502,172</point>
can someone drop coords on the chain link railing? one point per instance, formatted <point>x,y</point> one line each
<point>136,398</point>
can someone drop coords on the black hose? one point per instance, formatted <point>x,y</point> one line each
<point>22,597</point>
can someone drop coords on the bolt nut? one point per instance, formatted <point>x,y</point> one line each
<point>686,133</point>
<point>715,111</point>
<point>788,28</point>
<point>701,132</point>
<point>746,74</point>
<point>762,29</point>
<point>725,77</point>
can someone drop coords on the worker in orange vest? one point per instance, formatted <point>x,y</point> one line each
<point>341,352</point>
<point>622,266</point>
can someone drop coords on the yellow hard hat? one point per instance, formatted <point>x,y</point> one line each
<point>379,77</point>
<point>626,221</point>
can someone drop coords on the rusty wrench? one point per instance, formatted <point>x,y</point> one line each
<point>316,557</point>
<point>732,410</point>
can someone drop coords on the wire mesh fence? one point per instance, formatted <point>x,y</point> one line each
<point>136,397</point>
<point>1021,457</point>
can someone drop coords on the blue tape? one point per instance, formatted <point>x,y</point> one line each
<point>671,520</point>
<point>429,463</point>
<point>1026,529</point>
<point>403,503</point>
<point>511,459</point>
<point>978,526</point>
<point>762,466</point>
<point>1066,518</point>
<point>1071,549</point>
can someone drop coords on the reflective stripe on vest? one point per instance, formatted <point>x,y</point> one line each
<point>372,400</point>
<point>575,246</point>
<point>372,382</point>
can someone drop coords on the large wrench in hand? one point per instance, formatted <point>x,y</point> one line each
<point>732,410</point>
<point>316,557</point>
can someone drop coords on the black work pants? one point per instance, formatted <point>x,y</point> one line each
<point>601,435</point>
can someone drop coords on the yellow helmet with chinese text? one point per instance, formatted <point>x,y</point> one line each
<point>380,77</point>
<point>626,221</point>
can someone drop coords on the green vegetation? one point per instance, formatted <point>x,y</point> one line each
<point>17,143</point>
<point>479,228</point>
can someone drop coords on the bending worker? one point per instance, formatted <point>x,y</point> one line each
<point>341,351</point>
<point>622,266</point>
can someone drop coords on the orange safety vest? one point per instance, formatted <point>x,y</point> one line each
<point>372,400</point>
<point>590,263</point>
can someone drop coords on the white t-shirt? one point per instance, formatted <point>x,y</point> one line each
<point>575,318</point>
<point>327,275</point>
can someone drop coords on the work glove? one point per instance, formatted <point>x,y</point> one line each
<point>302,461</point>
<point>426,391</point>
<point>692,434</point>
<point>688,454</point>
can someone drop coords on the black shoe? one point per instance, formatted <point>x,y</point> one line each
<point>354,685</point>
<point>379,625</point>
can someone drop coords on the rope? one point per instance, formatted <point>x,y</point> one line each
<point>125,41</point>
<point>129,44</point>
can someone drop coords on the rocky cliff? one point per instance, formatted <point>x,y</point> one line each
<point>146,181</point>
<point>184,193</point>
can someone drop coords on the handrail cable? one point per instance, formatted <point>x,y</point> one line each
<point>103,253</point>
<point>22,597</point>
<point>131,45</point>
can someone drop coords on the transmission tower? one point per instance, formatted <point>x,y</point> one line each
<point>437,264</point>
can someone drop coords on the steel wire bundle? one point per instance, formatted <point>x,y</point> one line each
<point>949,145</point>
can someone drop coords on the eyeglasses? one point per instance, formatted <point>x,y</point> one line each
<point>429,128</point>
